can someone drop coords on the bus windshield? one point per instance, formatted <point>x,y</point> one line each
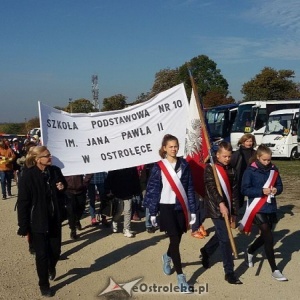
<point>279,124</point>
<point>215,121</point>
<point>219,121</point>
<point>243,119</point>
<point>249,118</point>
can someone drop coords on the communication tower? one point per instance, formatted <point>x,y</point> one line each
<point>95,92</point>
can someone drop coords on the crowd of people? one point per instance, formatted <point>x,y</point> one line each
<point>163,191</point>
<point>12,157</point>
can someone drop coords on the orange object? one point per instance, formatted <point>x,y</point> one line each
<point>202,230</point>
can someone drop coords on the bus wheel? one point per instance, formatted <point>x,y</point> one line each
<point>294,154</point>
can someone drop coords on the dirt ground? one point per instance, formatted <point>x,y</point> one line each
<point>88,263</point>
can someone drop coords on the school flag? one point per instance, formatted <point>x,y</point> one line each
<point>196,147</point>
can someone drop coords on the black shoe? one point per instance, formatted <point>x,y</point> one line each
<point>31,251</point>
<point>150,229</point>
<point>46,292</point>
<point>230,278</point>
<point>104,222</point>
<point>205,258</point>
<point>78,226</point>
<point>52,274</point>
<point>73,235</point>
<point>4,198</point>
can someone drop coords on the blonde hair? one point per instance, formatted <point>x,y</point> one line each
<point>32,155</point>
<point>262,149</point>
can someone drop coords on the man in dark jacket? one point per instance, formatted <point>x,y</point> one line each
<point>123,185</point>
<point>219,207</point>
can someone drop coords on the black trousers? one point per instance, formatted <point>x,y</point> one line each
<point>221,238</point>
<point>47,251</point>
<point>75,207</point>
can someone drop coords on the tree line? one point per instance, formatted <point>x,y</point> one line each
<point>269,84</point>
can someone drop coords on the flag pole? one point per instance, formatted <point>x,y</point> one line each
<point>206,137</point>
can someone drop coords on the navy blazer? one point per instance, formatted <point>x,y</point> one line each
<point>154,188</point>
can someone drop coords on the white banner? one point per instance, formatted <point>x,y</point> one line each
<point>103,141</point>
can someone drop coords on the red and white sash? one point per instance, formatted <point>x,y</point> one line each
<point>225,184</point>
<point>257,204</point>
<point>177,187</point>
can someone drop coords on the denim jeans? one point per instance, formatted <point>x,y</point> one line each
<point>147,218</point>
<point>92,196</point>
<point>136,204</point>
<point>125,207</point>
<point>6,177</point>
<point>221,238</point>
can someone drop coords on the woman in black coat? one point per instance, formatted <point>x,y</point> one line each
<point>40,199</point>
<point>240,160</point>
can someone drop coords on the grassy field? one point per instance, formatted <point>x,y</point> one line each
<point>290,168</point>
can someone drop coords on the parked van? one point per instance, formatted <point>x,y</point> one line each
<point>252,117</point>
<point>281,133</point>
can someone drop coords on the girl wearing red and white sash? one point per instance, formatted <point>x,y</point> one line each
<point>170,191</point>
<point>261,183</point>
<point>220,206</point>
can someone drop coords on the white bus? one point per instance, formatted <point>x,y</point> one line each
<point>252,117</point>
<point>281,133</point>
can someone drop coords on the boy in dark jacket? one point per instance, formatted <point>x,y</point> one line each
<point>123,184</point>
<point>76,199</point>
<point>220,207</point>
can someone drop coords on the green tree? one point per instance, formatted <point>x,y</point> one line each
<point>115,102</point>
<point>80,106</point>
<point>32,123</point>
<point>213,98</point>
<point>206,75</point>
<point>142,98</point>
<point>61,108</point>
<point>12,128</point>
<point>271,84</point>
<point>164,80</point>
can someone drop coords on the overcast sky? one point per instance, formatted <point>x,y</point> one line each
<point>50,49</point>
